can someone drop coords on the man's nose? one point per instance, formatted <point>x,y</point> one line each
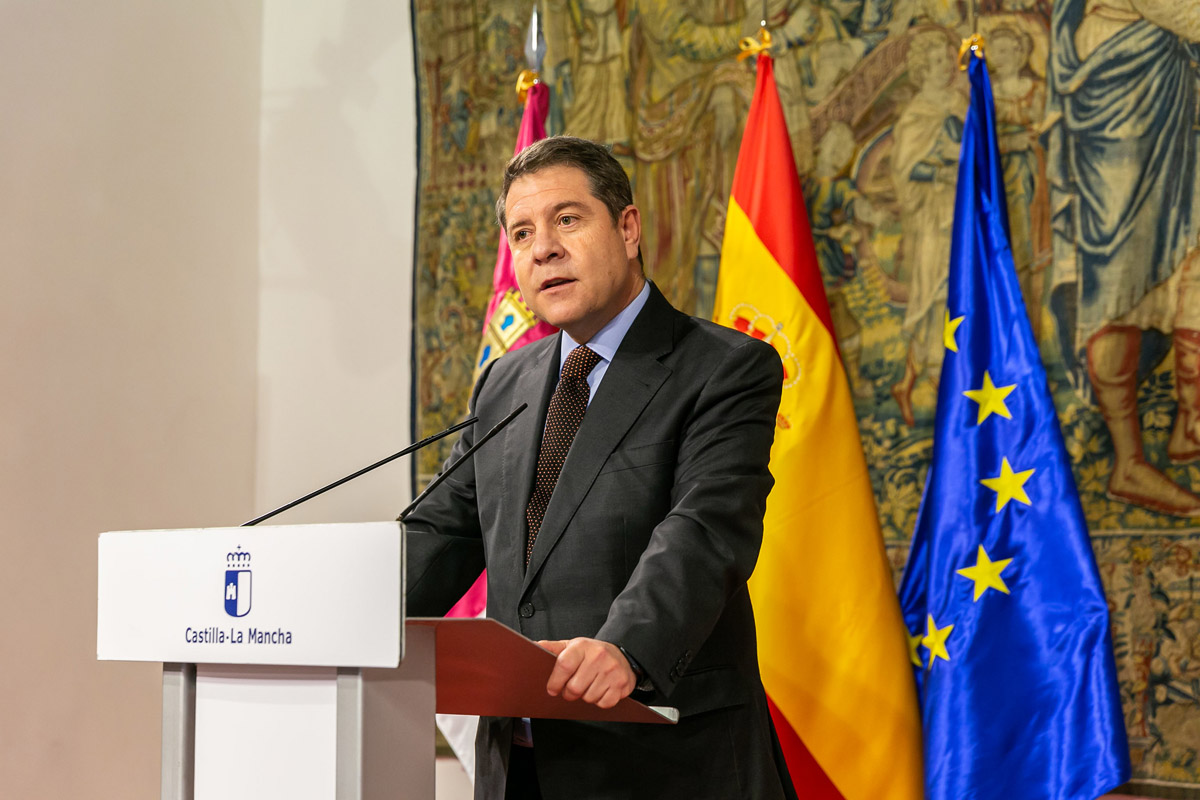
<point>547,245</point>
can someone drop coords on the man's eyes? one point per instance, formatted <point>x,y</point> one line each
<point>524,233</point>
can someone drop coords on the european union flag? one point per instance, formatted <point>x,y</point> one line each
<point>1008,621</point>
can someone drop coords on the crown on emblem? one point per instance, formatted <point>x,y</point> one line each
<point>238,558</point>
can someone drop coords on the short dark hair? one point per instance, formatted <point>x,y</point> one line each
<point>606,178</point>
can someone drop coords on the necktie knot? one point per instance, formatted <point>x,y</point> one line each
<point>579,364</point>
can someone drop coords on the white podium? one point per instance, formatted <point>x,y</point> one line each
<point>289,670</point>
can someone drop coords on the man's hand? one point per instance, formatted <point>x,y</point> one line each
<point>589,669</point>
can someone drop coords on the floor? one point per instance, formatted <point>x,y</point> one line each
<point>452,783</point>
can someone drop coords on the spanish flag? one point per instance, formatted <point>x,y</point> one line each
<point>832,645</point>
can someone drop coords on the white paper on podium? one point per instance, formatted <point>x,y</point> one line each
<point>310,595</point>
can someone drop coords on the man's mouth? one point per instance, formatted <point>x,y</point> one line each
<point>554,282</point>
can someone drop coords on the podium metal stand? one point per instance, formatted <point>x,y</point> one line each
<point>300,679</point>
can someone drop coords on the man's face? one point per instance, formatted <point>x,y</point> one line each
<point>576,269</point>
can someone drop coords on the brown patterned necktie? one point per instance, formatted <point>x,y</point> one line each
<point>563,417</point>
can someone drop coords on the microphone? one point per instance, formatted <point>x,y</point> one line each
<point>446,472</point>
<point>410,449</point>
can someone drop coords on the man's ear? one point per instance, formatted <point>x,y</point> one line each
<point>630,224</point>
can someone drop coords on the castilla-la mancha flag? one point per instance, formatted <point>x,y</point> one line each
<point>831,642</point>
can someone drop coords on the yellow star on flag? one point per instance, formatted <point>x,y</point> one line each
<point>935,640</point>
<point>986,573</point>
<point>948,329</point>
<point>914,641</point>
<point>990,398</point>
<point>1008,485</point>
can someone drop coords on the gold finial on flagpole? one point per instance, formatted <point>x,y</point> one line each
<point>974,45</point>
<point>752,47</point>
<point>525,82</point>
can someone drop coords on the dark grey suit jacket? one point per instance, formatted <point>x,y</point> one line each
<point>651,533</point>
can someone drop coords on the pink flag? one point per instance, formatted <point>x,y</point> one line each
<point>509,323</point>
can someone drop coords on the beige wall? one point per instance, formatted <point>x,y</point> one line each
<point>134,339</point>
<point>337,214</point>
<point>128,247</point>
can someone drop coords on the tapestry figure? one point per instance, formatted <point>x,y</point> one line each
<point>1019,91</point>
<point>927,137</point>
<point>1123,106</point>
<point>840,217</point>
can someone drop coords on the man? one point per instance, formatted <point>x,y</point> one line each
<point>630,564</point>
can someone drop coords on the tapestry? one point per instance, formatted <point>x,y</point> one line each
<point>1097,102</point>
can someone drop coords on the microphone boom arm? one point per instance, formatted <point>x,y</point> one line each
<point>446,473</point>
<point>411,448</point>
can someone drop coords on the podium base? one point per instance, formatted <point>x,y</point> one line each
<point>301,733</point>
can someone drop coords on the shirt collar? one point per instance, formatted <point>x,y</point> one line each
<point>606,342</point>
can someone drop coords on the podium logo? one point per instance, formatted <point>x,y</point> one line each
<point>237,583</point>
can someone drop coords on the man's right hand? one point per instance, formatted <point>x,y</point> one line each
<point>590,670</point>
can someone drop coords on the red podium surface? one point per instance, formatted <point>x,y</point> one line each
<point>490,670</point>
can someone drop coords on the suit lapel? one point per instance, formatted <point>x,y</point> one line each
<point>634,376</point>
